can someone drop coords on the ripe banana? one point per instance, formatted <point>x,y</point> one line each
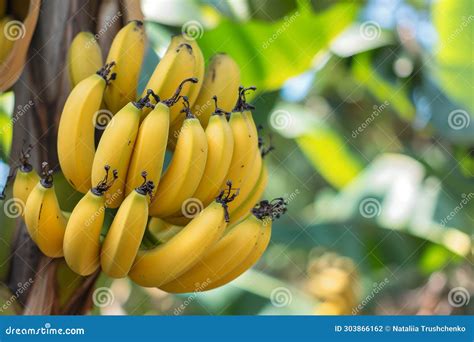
<point>6,44</point>
<point>25,180</point>
<point>225,255</point>
<point>82,238</point>
<point>123,239</point>
<point>183,175</point>
<point>127,51</point>
<point>182,60</point>
<point>222,79</point>
<point>150,148</point>
<point>263,214</point>
<point>220,144</point>
<point>76,145</point>
<point>164,263</point>
<point>244,209</point>
<point>44,219</point>
<point>115,149</point>
<point>84,57</point>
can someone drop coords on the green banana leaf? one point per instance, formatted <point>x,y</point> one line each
<point>270,53</point>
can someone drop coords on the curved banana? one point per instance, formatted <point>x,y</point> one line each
<point>222,79</point>
<point>6,44</point>
<point>185,171</point>
<point>76,146</point>
<point>127,51</point>
<point>125,235</point>
<point>220,144</point>
<point>263,214</point>
<point>245,208</point>
<point>84,57</point>
<point>181,61</point>
<point>44,219</point>
<point>115,149</point>
<point>164,263</point>
<point>25,180</point>
<point>82,237</point>
<point>225,255</point>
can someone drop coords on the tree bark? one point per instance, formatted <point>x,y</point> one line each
<point>40,94</point>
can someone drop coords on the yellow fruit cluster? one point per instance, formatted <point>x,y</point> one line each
<point>192,227</point>
<point>334,281</point>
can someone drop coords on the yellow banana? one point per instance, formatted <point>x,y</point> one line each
<point>44,219</point>
<point>222,79</point>
<point>25,180</point>
<point>84,57</point>
<point>115,149</point>
<point>244,209</point>
<point>220,144</point>
<point>224,256</point>
<point>76,145</point>
<point>6,44</point>
<point>127,51</point>
<point>185,171</point>
<point>167,261</point>
<point>179,63</point>
<point>82,238</point>
<point>263,214</point>
<point>123,239</point>
<point>162,230</point>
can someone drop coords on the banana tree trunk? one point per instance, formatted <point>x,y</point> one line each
<point>40,93</point>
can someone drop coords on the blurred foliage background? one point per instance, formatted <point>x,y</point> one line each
<point>370,108</point>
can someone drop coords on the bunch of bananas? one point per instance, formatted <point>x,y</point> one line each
<point>334,281</point>
<point>194,226</point>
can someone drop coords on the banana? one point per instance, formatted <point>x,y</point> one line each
<point>162,230</point>
<point>127,51</point>
<point>167,261</point>
<point>6,44</point>
<point>222,79</point>
<point>125,235</point>
<point>115,149</point>
<point>183,175</point>
<point>244,209</point>
<point>44,219</point>
<point>220,144</point>
<point>225,255</point>
<point>182,60</point>
<point>76,146</point>
<point>82,237</point>
<point>84,57</point>
<point>25,180</point>
<point>263,214</point>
